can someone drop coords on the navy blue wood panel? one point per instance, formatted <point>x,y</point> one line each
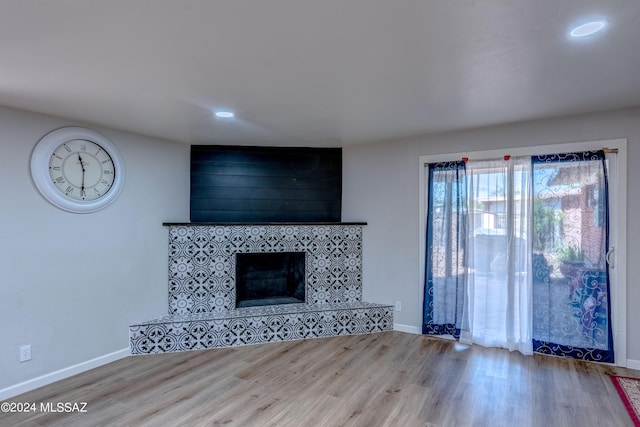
<point>265,184</point>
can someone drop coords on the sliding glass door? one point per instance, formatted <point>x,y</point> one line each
<point>516,254</point>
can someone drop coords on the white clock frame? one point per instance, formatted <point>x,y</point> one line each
<point>42,179</point>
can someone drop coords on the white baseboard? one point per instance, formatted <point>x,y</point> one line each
<point>406,328</point>
<point>633,364</point>
<point>61,374</point>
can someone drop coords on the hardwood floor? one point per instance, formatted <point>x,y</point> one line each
<point>385,379</point>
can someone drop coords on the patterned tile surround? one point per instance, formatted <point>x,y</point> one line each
<point>202,311</point>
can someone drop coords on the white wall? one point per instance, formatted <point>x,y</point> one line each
<point>380,186</point>
<point>72,283</point>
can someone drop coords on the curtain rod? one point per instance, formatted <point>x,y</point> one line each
<point>507,156</point>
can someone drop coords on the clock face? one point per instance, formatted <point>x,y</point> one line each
<point>81,170</point>
<point>77,169</point>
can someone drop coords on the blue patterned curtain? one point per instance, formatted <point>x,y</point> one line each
<point>571,290</point>
<point>445,278</point>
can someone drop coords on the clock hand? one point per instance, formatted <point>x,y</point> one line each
<point>83,171</point>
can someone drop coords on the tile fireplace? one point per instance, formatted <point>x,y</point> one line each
<point>323,296</point>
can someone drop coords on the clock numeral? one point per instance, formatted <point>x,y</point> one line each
<point>98,152</point>
<point>108,172</point>
<point>55,168</point>
<point>83,147</point>
<point>66,148</point>
<point>58,157</point>
<point>106,161</point>
<point>104,181</point>
<point>96,191</point>
<point>83,194</point>
<point>60,180</point>
<point>69,189</point>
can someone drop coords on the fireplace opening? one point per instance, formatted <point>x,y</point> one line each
<point>270,278</point>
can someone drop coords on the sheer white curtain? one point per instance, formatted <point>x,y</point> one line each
<point>498,304</point>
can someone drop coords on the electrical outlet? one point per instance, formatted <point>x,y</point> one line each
<point>25,353</point>
<point>398,305</point>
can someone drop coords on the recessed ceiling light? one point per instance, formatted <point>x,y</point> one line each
<point>588,28</point>
<point>224,114</point>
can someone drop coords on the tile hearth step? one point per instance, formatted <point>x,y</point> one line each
<point>258,325</point>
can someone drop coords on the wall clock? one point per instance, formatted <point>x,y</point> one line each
<point>77,169</point>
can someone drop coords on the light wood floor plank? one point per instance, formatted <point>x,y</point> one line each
<point>386,379</point>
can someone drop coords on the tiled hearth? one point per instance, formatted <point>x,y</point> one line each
<point>202,311</point>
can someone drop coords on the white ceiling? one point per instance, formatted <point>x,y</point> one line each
<point>316,73</point>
